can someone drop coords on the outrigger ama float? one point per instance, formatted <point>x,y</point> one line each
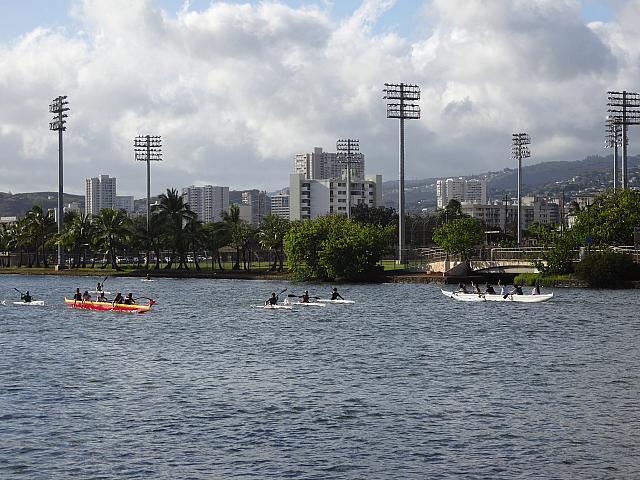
<point>110,307</point>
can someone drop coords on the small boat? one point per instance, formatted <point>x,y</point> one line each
<point>147,280</point>
<point>109,307</point>
<point>275,307</point>
<point>486,297</point>
<point>32,303</point>
<point>326,300</point>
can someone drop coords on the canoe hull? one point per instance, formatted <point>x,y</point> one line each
<point>108,306</point>
<point>474,297</point>
<point>32,303</point>
<point>336,301</point>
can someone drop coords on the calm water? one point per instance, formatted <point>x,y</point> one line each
<point>404,384</point>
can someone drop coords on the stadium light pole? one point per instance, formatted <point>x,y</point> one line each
<point>346,148</point>
<point>58,107</point>
<point>625,114</point>
<point>148,148</point>
<point>402,92</point>
<point>520,150</point>
<point>613,139</point>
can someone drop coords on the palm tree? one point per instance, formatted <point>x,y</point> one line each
<point>218,235</point>
<point>232,219</point>
<point>271,238</point>
<point>173,213</point>
<point>112,228</point>
<point>196,237</point>
<point>77,234</point>
<point>38,225</point>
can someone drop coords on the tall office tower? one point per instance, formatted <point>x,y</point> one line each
<point>260,205</point>
<point>100,192</point>
<point>321,165</point>
<point>126,203</point>
<point>208,202</point>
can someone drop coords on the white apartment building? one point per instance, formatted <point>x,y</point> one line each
<point>471,191</point>
<point>208,202</point>
<point>320,165</point>
<point>280,205</point>
<point>100,192</point>
<point>498,215</point>
<point>260,204</point>
<point>311,198</point>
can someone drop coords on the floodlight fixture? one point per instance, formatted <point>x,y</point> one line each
<point>346,150</point>
<point>148,148</point>
<point>58,107</point>
<point>520,149</point>
<point>625,114</point>
<point>404,92</point>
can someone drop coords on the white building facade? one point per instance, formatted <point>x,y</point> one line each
<point>280,205</point>
<point>208,202</point>
<point>100,192</point>
<point>126,203</point>
<point>500,215</point>
<point>471,191</point>
<point>312,198</point>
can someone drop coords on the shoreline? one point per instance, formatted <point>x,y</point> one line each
<point>387,277</point>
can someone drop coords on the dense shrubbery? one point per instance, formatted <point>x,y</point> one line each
<point>334,247</point>
<point>607,269</point>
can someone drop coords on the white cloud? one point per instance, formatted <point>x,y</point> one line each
<point>237,89</point>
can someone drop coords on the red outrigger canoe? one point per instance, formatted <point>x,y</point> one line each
<point>109,307</point>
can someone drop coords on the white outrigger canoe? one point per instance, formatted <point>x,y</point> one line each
<point>303,304</point>
<point>323,300</point>
<point>486,297</point>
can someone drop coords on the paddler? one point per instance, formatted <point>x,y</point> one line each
<point>273,300</point>
<point>129,300</point>
<point>26,298</point>
<point>101,298</point>
<point>335,295</point>
<point>304,298</point>
<point>77,296</point>
<point>118,299</point>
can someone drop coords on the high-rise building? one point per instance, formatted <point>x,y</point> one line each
<point>260,205</point>
<point>208,202</point>
<point>321,165</point>
<point>472,190</point>
<point>504,216</point>
<point>311,198</point>
<point>100,192</point>
<point>280,205</point>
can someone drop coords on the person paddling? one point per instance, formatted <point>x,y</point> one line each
<point>490,290</point>
<point>129,299</point>
<point>536,289</point>
<point>99,287</point>
<point>273,300</point>
<point>517,290</point>
<point>504,290</point>
<point>26,298</point>
<point>77,296</point>
<point>335,295</point>
<point>462,288</point>
<point>304,298</point>
<point>118,299</point>
<point>101,297</point>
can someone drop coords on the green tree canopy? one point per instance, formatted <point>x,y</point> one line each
<point>610,220</point>
<point>459,237</point>
<point>335,247</point>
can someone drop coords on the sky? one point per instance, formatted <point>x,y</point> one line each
<point>237,88</point>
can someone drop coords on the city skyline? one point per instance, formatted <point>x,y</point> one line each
<point>237,89</point>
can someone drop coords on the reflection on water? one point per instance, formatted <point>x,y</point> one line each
<point>403,384</point>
